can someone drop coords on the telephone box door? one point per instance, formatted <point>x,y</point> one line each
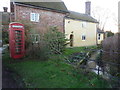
<point>16,40</point>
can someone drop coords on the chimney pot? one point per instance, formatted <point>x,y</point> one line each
<point>5,9</point>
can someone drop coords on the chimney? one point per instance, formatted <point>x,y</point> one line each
<point>88,7</point>
<point>5,9</point>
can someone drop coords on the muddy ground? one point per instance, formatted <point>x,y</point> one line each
<point>9,79</point>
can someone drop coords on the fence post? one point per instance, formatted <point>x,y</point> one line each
<point>103,65</point>
<point>98,67</point>
<point>100,62</point>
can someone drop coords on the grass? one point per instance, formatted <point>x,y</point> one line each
<point>70,51</point>
<point>49,74</point>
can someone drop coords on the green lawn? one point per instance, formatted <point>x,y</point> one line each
<point>51,74</point>
<point>70,51</point>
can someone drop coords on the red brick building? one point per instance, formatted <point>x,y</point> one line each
<point>42,14</point>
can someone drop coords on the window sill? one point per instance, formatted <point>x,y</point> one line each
<point>83,40</point>
<point>35,21</point>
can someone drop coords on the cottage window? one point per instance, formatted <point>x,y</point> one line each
<point>35,38</point>
<point>83,24</point>
<point>34,17</point>
<point>83,37</point>
<point>98,36</point>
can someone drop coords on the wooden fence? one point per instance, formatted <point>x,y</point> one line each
<point>107,69</point>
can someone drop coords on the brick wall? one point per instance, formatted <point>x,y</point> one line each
<point>47,18</point>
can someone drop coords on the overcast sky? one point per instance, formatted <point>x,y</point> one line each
<point>79,6</point>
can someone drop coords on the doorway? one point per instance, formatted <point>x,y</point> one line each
<point>71,40</point>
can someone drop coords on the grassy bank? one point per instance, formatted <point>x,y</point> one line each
<point>52,74</point>
<point>70,51</point>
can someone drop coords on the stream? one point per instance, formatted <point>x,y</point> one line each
<point>95,67</point>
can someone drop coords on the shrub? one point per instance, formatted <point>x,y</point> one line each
<point>37,51</point>
<point>51,42</point>
<point>109,33</point>
<point>55,40</point>
<point>5,37</point>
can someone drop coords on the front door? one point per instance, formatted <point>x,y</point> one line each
<point>71,40</point>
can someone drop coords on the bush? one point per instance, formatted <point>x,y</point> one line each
<point>37,51</point>
<point>5,37</point>
<point>51,42</point>
<point>109,33</point>
<point>55,40</point>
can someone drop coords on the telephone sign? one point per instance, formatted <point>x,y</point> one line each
<point>16,40</point>
<point>14,26</point>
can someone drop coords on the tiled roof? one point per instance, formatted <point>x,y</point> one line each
<point>58,6</point>
<point>80,16</point>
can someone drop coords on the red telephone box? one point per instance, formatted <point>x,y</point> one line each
<point>16,40</point>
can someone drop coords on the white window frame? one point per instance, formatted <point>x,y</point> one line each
<point>83,39</point>
<point>34,17</point>
<point>84,24</point>
<point>99,35</point>
<point>35,38</point>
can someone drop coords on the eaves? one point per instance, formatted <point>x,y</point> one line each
<point>81,20</point>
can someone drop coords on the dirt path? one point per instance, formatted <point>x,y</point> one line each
<point>94,55</point>
<point>8,76</point>
<point>7,79</point>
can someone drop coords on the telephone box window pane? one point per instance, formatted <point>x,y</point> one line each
<point>16,31</point>
<point>18,40</point>
<point>18,53</point>
<point>18,46</point>
<point>18,43</point>
<point>18,35</point>
<point>18,50</point>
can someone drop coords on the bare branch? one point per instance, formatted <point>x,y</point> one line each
<point>102,15</point>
